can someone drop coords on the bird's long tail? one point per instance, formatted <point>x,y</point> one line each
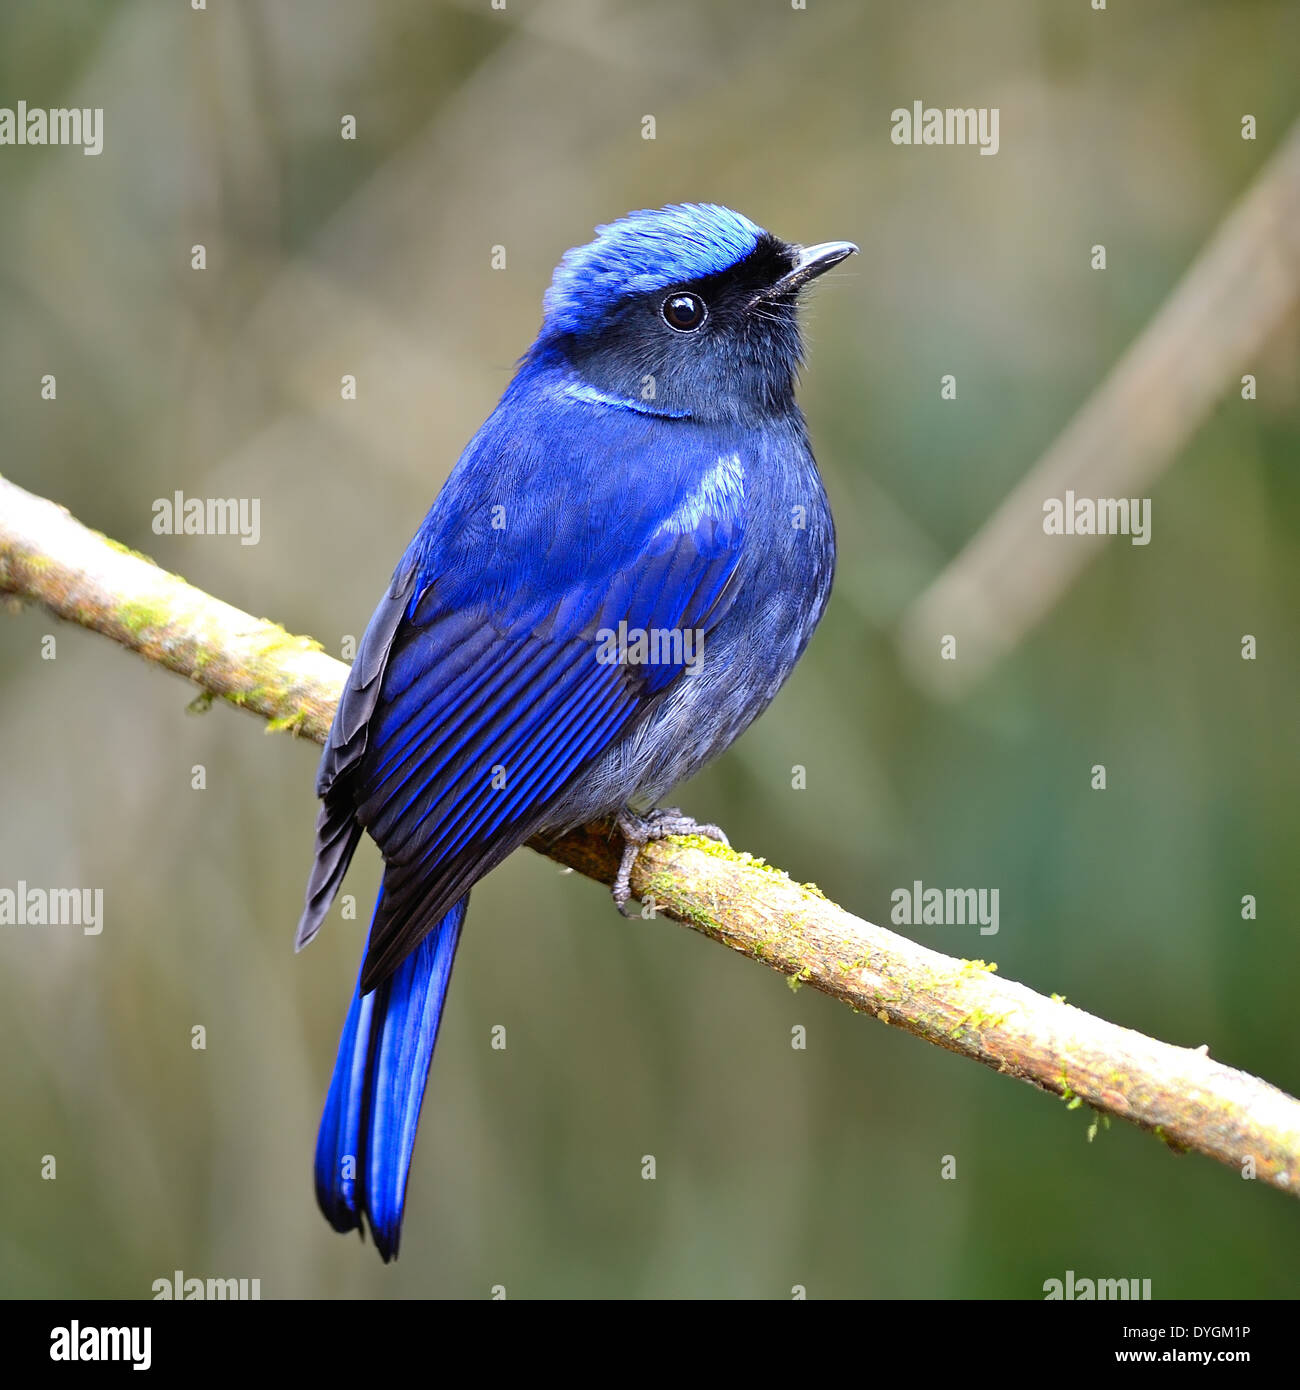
<point>367,1133</point>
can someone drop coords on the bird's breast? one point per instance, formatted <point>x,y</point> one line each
<point>782,585</point>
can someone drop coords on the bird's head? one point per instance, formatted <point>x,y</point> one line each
<point>689,310</point>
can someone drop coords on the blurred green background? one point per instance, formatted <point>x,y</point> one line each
<point>522,128</point>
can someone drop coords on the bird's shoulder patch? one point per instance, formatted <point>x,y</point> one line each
<point>718,496</point>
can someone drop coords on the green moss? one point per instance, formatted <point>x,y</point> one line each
<point>126,549</point>
<point>291,723</point>
<point>977,1019</point>
<point>715,849</point>
<point>1169,1141</point>
<point>274,638</point>
<point>1099,1117</point>
<point>138,616</point>
<point>201,703</point>
<point>668,894</point>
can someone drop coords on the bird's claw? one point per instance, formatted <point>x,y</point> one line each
<point>638,830</point>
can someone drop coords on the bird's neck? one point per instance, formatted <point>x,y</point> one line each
<point>571,379</point>
<point>575,389</point>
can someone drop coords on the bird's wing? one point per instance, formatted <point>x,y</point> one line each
<point>479,691</point>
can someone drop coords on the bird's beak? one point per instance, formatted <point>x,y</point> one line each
<point>811,261</point>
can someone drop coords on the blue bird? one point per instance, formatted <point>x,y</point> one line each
<point>614,581</point>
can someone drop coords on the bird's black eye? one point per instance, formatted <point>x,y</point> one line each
<point>683,312</point>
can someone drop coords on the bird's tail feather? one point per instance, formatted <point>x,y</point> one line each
<point>367,1133</point>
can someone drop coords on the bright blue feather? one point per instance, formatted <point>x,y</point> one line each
<point>633,478</point>
<point>372,1111</point>
<point>647,250</point>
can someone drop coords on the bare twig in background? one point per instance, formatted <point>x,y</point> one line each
<point>1241,289</point>
<point>1191,1101</point>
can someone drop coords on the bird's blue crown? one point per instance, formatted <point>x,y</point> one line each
<point>647,250</point>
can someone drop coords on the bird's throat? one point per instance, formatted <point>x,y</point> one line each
<point>593,395</point>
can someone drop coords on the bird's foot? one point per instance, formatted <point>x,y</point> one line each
<point>638,830</point>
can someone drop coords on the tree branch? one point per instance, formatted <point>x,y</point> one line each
<point>1189,1100</point>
